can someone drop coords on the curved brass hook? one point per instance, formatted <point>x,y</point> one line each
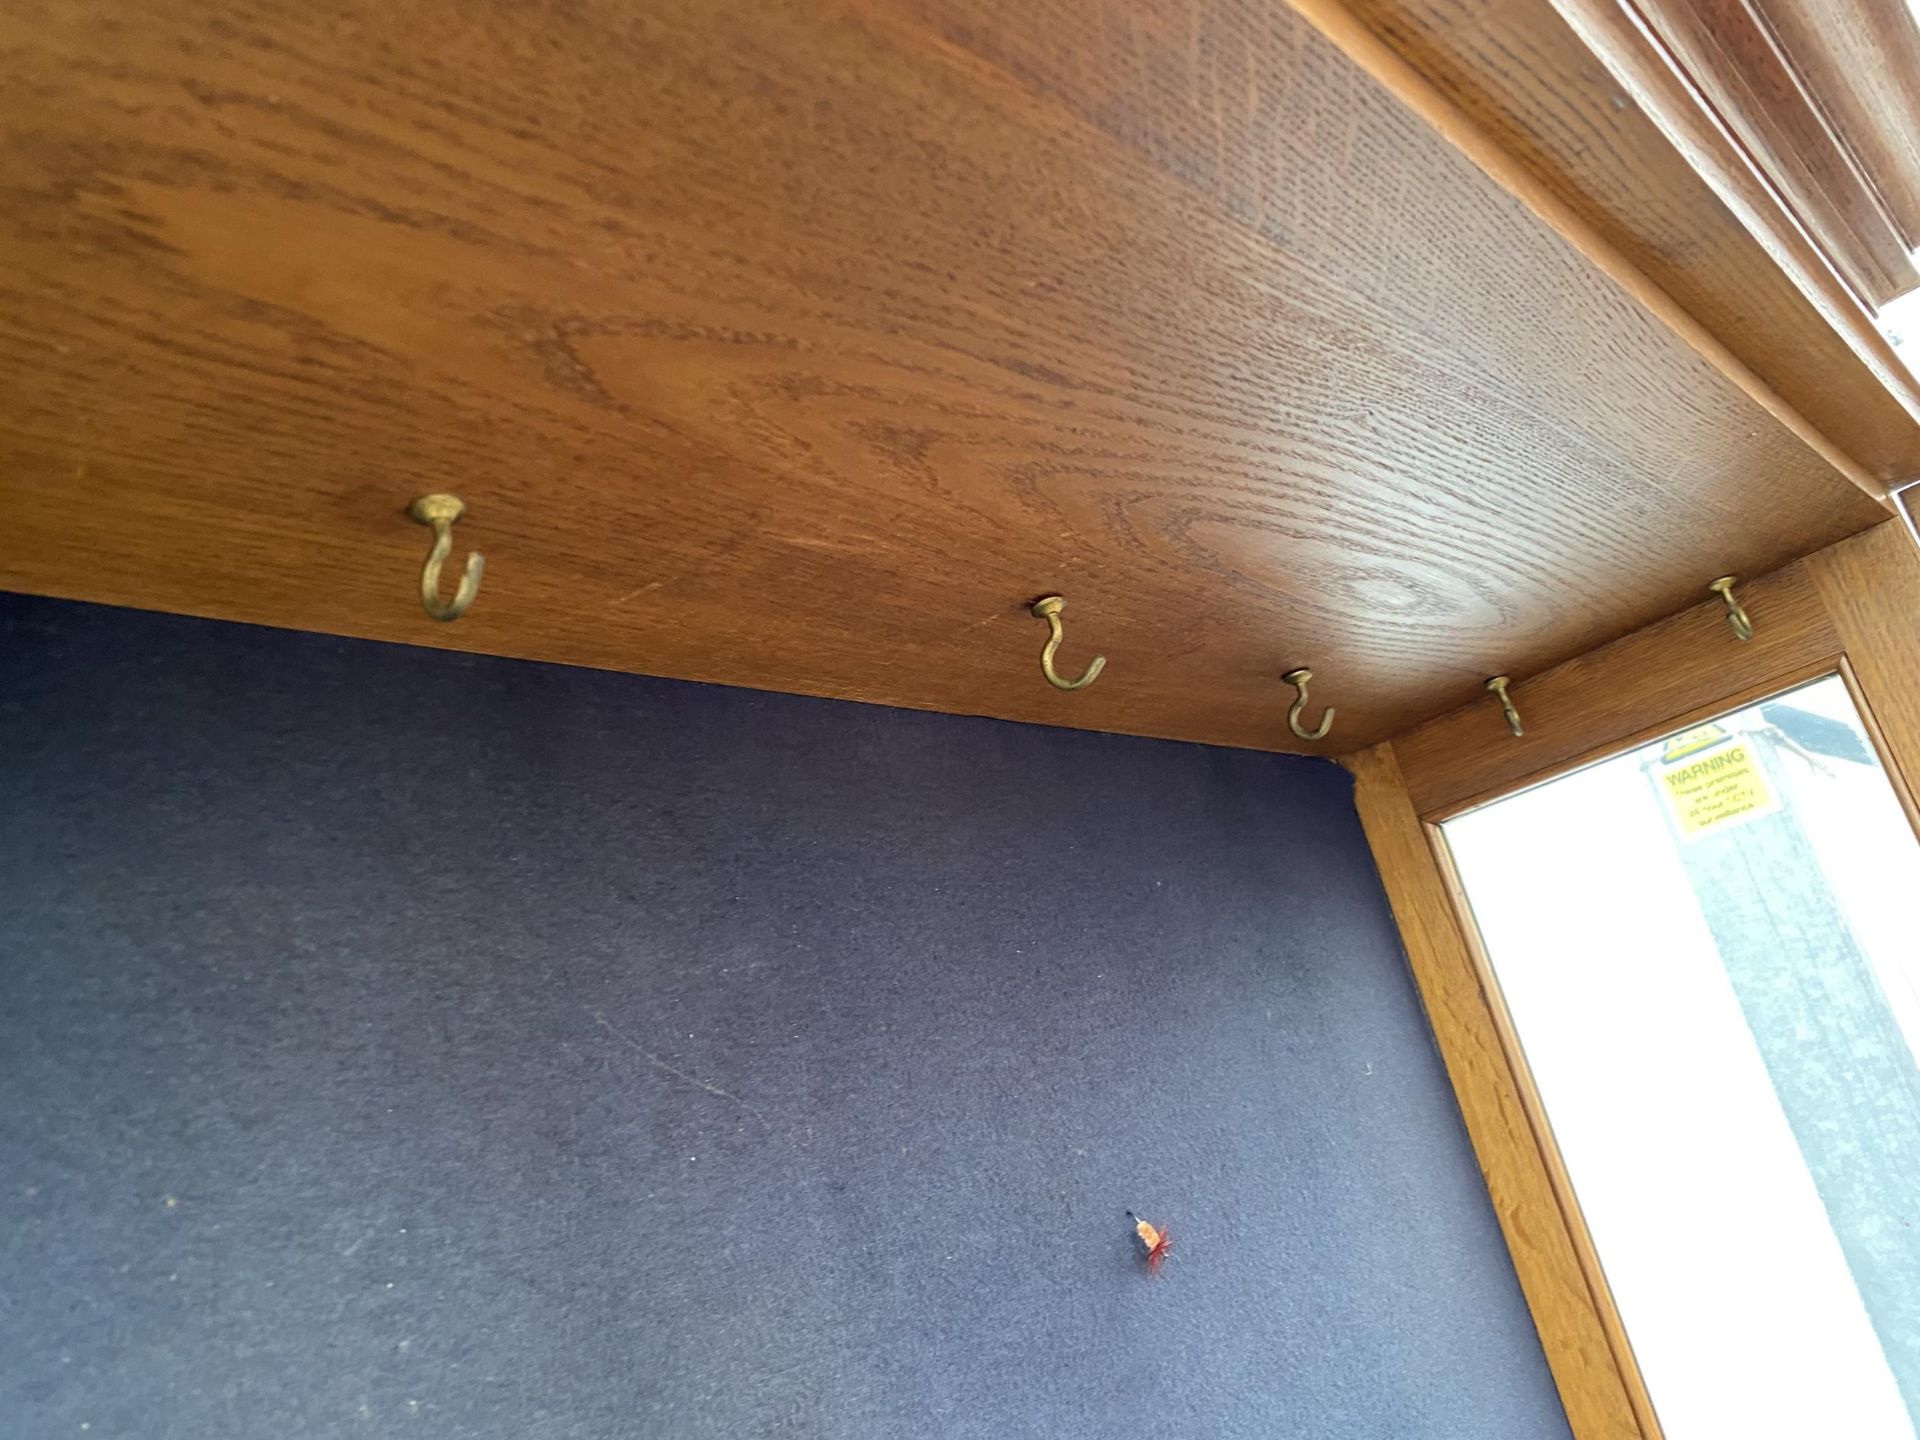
<point>1736,612</point>
<point>1049,610</point>
<point>1298,679</point>
<point>1498,685</point>
<point>440,511</point>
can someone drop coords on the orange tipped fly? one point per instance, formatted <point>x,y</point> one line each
<point>1158,1242</point>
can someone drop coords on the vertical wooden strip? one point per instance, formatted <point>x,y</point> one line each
<point>1572,1217</point>
<point>1871,588</point>
<point>1599,1386</point>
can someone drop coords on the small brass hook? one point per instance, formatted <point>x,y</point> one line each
<point>1498,685</point>
<point>1298,679</point>
<point>1049,610</point>
<point>1736,612</point>
<point>440,511</point>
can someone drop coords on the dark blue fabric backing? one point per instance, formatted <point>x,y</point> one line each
<point>406,1043</point>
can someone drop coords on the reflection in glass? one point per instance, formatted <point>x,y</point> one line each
<point>1709,950</point>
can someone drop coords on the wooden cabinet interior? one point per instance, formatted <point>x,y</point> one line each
<point>804,347</point>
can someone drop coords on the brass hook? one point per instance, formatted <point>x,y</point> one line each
<point>1498,685</point>
<point>1736,612</point>
<point>1049,610</point>
<point>440,511</point>
<point>1298,679</point>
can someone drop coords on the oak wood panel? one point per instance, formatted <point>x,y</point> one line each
<point>1870,586</point>
<point>1589,106</point>
<point>1572,1310</point>
<point>1729,52</point>
<point>1367,50</point>
<point>1685,668</point>
<point>1860,59</point>
<point>800,346</point>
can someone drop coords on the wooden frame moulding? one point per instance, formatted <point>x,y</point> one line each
<point>1544,1240</point>
<point>1629,144</point>
<point>1346,32</point>
<point>1851,609</point>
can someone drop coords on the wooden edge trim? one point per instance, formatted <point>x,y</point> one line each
<point>1371,54</point>
<point>1688,665</point>
<point>1877,737</point>
<point>1740,75</point>
<point>1870,586</point>
<point>1595,1390</point>
<point>1643,65</point>
<point>1605,1308</point>
<point>1700,714</point>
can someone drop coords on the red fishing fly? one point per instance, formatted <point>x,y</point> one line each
<point>1158,1242</point>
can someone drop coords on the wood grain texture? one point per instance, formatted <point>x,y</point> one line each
<point>1682,670</point>
<point>1861,60</point>
<point>1579,1327</point>
<point>1870,586</point>
<point>802,346</point>
<point>1587,103</point>
<point>1379,60</point>
<point>1728,50</point>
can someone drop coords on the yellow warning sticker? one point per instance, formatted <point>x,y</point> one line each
<point>1713,790</point>
<point>1692,742</point>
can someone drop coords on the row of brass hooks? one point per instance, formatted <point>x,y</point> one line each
<point>1738,621</point>
<point>441,511</point>
<point>1048,609</point>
